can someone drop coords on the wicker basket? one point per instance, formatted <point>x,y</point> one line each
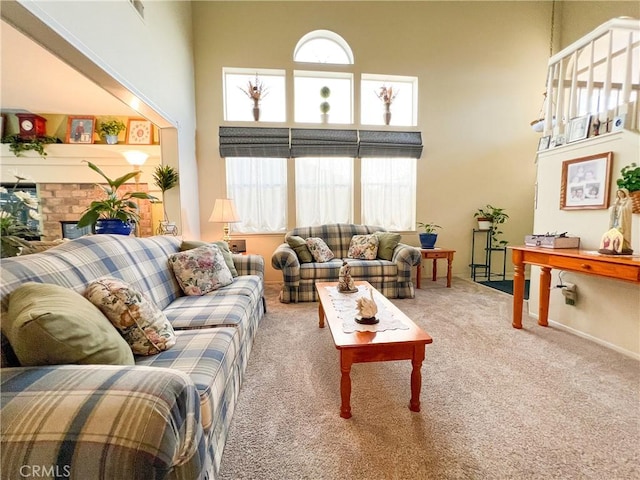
<point>635,201</point>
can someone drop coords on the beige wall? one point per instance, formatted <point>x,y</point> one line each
<point>607,311</point>
<point>481,68</point>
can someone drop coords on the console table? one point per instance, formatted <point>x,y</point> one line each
<point>570,259</point>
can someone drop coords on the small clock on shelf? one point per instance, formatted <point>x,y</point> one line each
<point>31,125</point>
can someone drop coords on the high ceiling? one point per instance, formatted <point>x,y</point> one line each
<point>34,80</point>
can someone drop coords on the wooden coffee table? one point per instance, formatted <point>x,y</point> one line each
<point>358,347</point>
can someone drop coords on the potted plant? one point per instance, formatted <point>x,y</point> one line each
<point>165,178</point>
<point>631,181</point>
<point>429,237</point>
<point>489,217</point>
<point>325,92</point>
<point>18,145</point>
<point>18,213</point>
<point>116,213</point>
<point>110,129</point>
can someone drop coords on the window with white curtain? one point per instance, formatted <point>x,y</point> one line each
<point>258,187</point>
<point>389,192</point>
<point>324,191</point>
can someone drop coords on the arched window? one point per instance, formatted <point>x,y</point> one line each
<point>323,46</point>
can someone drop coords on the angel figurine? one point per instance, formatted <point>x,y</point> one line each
<point>345,282</point>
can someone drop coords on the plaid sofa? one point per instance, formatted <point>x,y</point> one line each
<point>391,278</point>
<point>167,417</point>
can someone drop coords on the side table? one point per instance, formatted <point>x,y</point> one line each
<point>435,254</point>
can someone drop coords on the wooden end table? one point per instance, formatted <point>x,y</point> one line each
<point>358,347</point>
<point>435,254</point>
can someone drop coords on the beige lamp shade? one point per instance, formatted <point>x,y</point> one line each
<point>224,211</point>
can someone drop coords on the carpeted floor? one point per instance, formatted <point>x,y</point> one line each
<point>497,403</point>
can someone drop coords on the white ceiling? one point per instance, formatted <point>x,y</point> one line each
<point>36,81</point>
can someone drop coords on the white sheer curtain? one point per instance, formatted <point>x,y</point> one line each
<point>258,187</point>
<point>324,191</point>
<point>389,192</point>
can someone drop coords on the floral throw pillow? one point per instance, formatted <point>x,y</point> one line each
<point>319,250</point>
<point>142,324</point>
<point>363,247</point>
<point>200,270</point>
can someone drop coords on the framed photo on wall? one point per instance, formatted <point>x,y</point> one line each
<point>139,132</point>
<point>80,129</point>
<point>585,182</point>
<point>579,128</point>
<point>543,143</point>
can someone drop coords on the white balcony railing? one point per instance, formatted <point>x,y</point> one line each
<point>599,75</point>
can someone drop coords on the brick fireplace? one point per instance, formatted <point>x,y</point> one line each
<point>67,201</point>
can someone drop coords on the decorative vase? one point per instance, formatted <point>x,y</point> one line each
<point>387,113</point>
<point>111,139</point>
<point>324,117</point>
<point>114,226</point>
<point>256,111</point>
<point>428,240</point>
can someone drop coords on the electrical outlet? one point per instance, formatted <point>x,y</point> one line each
<point>570,293</point>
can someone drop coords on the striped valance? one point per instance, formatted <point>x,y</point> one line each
<point>377,143</point>
<point>254,142</point>
<point>317,142</point>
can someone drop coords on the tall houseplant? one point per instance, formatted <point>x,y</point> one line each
<point>492,217</point>
<point>165,178</point>
<point>116,213</point>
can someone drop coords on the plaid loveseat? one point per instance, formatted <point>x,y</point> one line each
<point>167,417</point>
<point>391,277</point>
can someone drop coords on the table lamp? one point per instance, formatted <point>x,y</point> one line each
<point>224,211</point>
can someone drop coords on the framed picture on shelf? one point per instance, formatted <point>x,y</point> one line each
<point>585,182</point>
<point>139,132</point>
<point>579,128</point>
<point>543,143</point>
<point>80,129</point>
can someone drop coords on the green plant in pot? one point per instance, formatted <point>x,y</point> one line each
<point>429,236</point>
<point>110,129</point>
<point>631,181</point>
<point>116,213</point>
<point>489,217</point>
<point>165,178</point>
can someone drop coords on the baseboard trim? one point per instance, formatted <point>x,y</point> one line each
<point>597,340</point>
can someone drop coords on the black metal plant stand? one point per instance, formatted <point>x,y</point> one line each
<point>489,250</point>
